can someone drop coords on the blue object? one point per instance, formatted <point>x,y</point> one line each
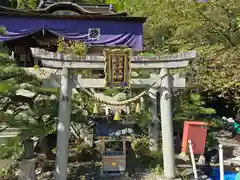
<point>104,130</point>
<point>113,153</point>
<point>237,127</point>
<point>237,176</point>
<point>228,175</point>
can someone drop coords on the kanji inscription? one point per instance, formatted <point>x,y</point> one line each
<point>117,67</point>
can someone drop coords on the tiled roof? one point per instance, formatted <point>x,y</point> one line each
<point>69,10</point>
<point>98,9</point>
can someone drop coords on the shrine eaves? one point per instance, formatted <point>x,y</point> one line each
<point>95,25</point>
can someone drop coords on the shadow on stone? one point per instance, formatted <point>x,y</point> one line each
<point>228,152</point>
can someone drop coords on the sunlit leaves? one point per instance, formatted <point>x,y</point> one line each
<point>29,4</point>
<point>190,107</point>
<point>209,27</point>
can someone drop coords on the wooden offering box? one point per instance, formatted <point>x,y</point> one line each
<point>113,142</point>
<point>114,161</point>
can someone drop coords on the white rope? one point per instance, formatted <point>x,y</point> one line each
<point>100,99</point>
<point>117,103</point>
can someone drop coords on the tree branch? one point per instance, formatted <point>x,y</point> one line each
<point>231,4</point>
<point>229,19</point>
<point>214,24</point>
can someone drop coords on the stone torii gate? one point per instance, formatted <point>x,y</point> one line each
<point>67,63</point>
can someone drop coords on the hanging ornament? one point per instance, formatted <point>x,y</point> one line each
<point>138,108</point>
<point>117,116</point>
<point>95,109</point>
<point>36,67</point>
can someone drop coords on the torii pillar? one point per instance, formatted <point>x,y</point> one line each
<point>164,87</point>
<point>167,124</point>
<point>63,125</point>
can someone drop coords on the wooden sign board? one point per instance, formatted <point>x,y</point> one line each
<point>117,67</point>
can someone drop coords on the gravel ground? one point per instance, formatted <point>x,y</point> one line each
<point>231,148</point>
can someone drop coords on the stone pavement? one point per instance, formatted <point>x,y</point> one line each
<point>231,148</point>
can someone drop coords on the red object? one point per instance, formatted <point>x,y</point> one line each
<point>196,132</point>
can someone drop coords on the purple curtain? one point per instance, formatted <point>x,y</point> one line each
<point>126,33</point>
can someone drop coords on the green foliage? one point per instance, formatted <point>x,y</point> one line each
<point>8,172</point>
<point>35,111</point>
<point>71,47</point>
<point>111,91</point>
<point>2,30</point>
<point>23,111</point>
<point>156,161</point>
<point>118,5</point>
<point>190,107</point>
<point>211,141</point>
<point>11,149</point>
<point>84,152</point>
<point>158,170</point>
<point>83,103</point>
<point>26,4</point>
<point>141,148</point>
<point>212,28</point>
